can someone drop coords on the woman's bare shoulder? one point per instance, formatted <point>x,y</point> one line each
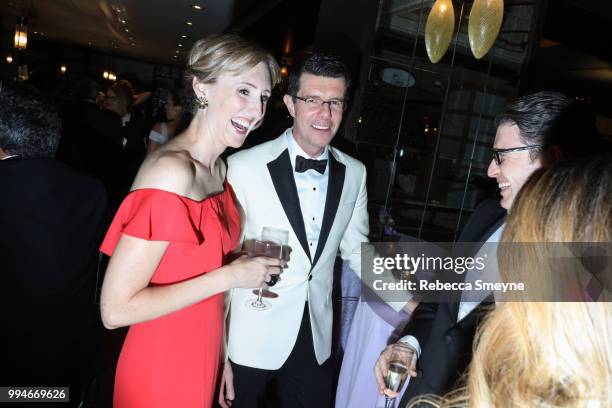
<point>167,169</point>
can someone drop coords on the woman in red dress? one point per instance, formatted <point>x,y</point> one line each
<point>171,235</point>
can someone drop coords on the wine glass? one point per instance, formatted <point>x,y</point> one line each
<point>270,244</point>
<point>398,369</point>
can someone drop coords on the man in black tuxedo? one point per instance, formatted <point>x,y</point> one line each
<point>91,138</point>
<point>51,224</point>
<point>532,131</point>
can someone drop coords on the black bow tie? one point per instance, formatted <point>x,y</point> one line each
<point>302,164</point>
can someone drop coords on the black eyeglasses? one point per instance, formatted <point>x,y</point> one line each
<point>498,153</point>
<point>314,102</point>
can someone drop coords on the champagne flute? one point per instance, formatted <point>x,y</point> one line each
<point>270,244</point>
<point>398,368</point>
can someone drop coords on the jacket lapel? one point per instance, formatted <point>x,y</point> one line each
<point>334,191</point>
<point>479,237</point>
<point>284,184</point>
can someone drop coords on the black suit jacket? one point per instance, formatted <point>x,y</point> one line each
<point>446,345</point>
<point>51,220</point>
<point>91,137</point>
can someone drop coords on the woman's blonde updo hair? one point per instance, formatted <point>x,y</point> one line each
<point>226,53</point>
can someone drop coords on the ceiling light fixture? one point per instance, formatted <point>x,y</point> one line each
<point>189,23</point>
<point>179,44</point>
<point>63,69</point>
<point>439,29</point>
<point>485,21</point>
<point>183,36</point>
<point>21,33</point>
<point>197,7</point>
<point>9,59</point>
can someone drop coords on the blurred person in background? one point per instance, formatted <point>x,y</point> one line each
<point>177,117</point>
<point>91,137</point>
<point>51,219</point>
<point>134,130</point>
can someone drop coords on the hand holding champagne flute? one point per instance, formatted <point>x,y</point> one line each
<point>392,368</point>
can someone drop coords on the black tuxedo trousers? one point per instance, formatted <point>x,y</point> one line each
<point>300,382</point>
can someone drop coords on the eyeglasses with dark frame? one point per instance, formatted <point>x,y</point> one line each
<point>314,102</point>
<point>498,153</point>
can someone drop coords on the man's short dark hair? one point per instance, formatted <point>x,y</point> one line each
<point>29,125</point>
<point>549,118</point>
<point>319,64</point>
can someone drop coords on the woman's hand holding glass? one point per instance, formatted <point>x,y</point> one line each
<point>254,272</point>
<point>270,244</point>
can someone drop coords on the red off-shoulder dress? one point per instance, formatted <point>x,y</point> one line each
<point>172,361</point>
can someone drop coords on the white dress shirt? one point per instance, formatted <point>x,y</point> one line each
<point>125,119</point>
<point>490,272</point>
<point>312,192</point>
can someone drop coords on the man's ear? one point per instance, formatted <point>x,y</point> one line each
<point>288,99</point>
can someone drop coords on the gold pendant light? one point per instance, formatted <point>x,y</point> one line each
<point>439,29</point>
<point>485,21</point>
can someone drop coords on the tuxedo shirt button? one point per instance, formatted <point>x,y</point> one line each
<point>309,277</point>
<point>448,339</point>
<point>314,189</point>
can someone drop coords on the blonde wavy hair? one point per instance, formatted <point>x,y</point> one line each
<point>546,354</point>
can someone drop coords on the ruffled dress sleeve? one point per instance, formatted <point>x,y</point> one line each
<point>154,215</point>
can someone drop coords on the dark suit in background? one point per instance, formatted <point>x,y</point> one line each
<point>134,135</point>
<point>90,137</point>
<point>50,227</point>
<point>446,345</point>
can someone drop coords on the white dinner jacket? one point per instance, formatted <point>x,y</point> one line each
<point>262,179</point>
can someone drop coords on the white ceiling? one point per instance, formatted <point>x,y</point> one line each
<point>155,26</point>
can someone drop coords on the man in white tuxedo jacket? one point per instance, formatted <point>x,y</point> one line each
<point>296,182</point>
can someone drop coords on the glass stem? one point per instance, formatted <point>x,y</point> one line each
<point>389,402</point>
<point>259,296</point>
